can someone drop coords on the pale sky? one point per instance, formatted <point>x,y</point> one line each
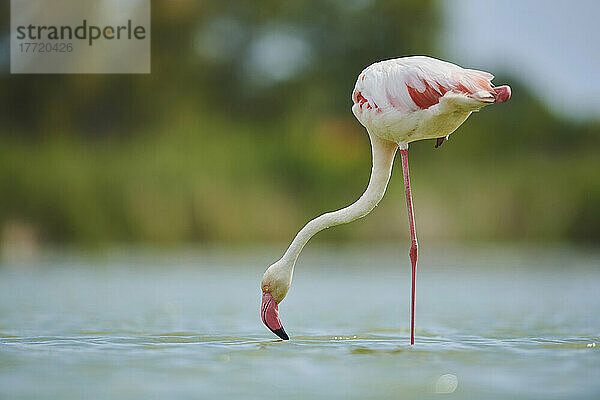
<point>552,45</point>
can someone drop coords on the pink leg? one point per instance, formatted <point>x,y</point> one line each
<point>413,238</point>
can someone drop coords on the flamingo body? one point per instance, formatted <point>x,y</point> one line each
<point>398,101</point>
<point>415,98</point>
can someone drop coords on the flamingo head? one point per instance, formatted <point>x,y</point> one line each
<point>275,285</point>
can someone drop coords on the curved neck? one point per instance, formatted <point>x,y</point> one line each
<point>383,157</point>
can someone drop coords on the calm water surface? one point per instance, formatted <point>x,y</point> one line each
<point>492,323</point>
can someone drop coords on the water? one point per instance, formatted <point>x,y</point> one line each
<point>491,324</point>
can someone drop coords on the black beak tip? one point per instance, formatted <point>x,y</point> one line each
<point>281,333</point>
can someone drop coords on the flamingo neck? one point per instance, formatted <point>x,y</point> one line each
<point>383,152</point>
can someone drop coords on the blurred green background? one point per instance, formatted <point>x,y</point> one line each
<point>243,132</point>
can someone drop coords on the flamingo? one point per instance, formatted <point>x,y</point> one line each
<point>398,101</point>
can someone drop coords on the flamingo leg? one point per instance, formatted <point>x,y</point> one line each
<point>413,252</point>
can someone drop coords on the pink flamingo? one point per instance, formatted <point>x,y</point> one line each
<point>398,101</point>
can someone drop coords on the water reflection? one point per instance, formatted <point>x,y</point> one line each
<point>74,325</point>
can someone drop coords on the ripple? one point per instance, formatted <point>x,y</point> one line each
<point>367,343</point>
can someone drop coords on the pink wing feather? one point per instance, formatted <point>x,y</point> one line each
<point>415,83</point>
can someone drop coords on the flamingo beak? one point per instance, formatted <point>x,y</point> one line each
<point>269,313</point>
<point>502,93</point>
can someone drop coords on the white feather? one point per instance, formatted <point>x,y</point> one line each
<point>389,111</point>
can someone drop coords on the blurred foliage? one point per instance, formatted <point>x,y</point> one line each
<point>243,132</point>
